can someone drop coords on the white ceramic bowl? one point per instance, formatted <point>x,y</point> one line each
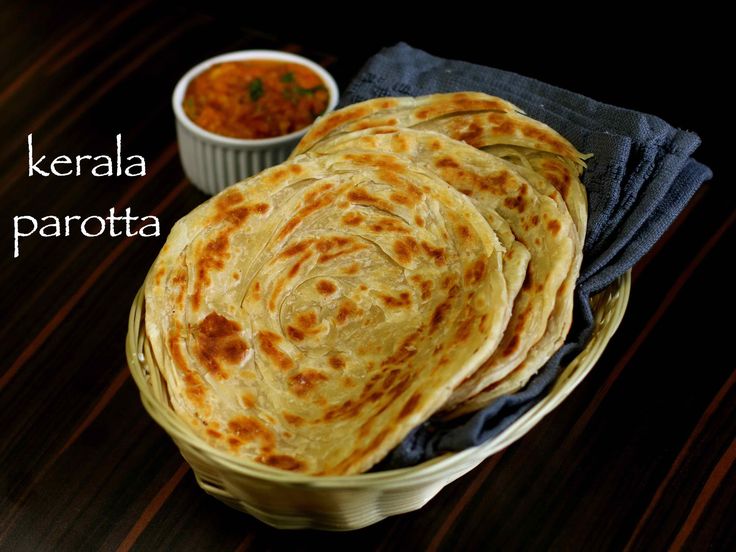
<point>213,162</point>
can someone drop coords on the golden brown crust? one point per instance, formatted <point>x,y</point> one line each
<point>339,303</point>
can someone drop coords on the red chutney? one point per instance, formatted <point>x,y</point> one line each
<point>255,98</point>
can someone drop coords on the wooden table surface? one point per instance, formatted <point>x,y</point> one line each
<point>640,456</point>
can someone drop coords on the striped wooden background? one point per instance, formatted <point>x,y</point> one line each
<point>640,457</point>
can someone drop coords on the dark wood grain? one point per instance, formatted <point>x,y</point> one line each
<point>640,457</point>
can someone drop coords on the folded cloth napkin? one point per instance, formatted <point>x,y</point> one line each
<point>640,178</point>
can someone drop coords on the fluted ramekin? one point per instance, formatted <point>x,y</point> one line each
<point>213,162</point>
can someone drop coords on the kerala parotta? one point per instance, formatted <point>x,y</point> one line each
<point>549,162</point>
<point>309,317</point>
<point>499,192</point>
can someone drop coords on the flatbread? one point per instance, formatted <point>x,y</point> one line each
<point>546,159</point>
<point>542,227</point>
<point>309,317</point>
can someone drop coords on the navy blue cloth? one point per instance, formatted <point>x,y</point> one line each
<point>640,178</point>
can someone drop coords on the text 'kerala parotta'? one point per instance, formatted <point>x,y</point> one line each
<point>309,317</point>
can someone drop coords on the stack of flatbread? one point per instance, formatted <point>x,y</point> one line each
<point>414,257</point>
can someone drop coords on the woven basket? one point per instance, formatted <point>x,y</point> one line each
<point>290,501</point>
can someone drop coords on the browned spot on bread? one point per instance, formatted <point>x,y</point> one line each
<point>399,388</point>
<point>464,231</point>
<point>248,400</point>
<point>512,345</point>
<point>447,162</point>
<point>562,179</point>
<point>475,272</point>
<point>471,134</point>
<point>348,409</point>
<point>554,226</point>
<point>268,342</point>
<point>386,224</point>
<point>311,205</point>
<point>351,269</point>
<point>437,253</point>
<point>325,287</point>
<point>376,160</point>
<point>296,169</point>
<point>303,382</point>
<point>353,219</point>
<point>228,199</point>
<point>237,215</point>
<point>403,300</point>
<point>294,333</point>
<point>390,378</point>
<point>377,440</point>
<point>346,310</point>
<point>400,198</point>
<point>245,429</point>
<point>160,274</point>
<point>331,248</point>
<point>405,249</point>
<point>295,249</point>
<point>365,428</point>
<point>426,289</point>
<point>310,198</point>
<point>497,183</point>
<point>399,143</point>
<point>213,257</point>
<point>517,203</point>
<point>535,220</point>
<point>561,290</point>
<point>277,174</point>
<point>336,362</point>
<point>328,244</point>
<point>502,124</point>
<point>214,433</point>
<point>334,120</point>
<point>438,316</point>
<point>298,264</point>
<point>419,221</point>
<point>289,227</point>
<point>410,405</point>
<point>282,461</point>
<point>545,137</point>
<point>293,419</point>
<point>218,341</point>
<point>375,396</point>
<point>281,282</point>
<point>464,329</point>
<point>307,320</point>
<point>372,123</point>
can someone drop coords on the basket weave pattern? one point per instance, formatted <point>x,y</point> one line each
<point>288,500</point>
